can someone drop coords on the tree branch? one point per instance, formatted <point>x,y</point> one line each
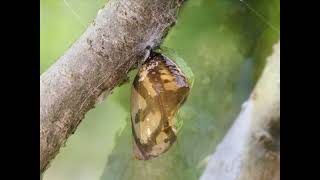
<point>96,63</point>
<point>251,148</point>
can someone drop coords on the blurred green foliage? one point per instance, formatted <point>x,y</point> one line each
<point>225,42</point>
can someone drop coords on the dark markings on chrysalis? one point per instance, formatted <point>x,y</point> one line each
<point>159,90</point>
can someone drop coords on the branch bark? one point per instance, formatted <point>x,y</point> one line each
<point>251,148</point>
<point>96,63</point>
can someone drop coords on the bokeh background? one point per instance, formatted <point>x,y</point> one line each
<point>225,43</point>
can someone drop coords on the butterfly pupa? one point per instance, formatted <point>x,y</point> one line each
<point>159,89</point>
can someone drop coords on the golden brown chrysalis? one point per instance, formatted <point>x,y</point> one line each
<point>158,91</point>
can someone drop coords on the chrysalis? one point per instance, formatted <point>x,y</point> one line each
<point>159,89</point>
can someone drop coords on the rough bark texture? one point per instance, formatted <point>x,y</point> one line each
<point>96,63</point>
<point>251,148</point>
